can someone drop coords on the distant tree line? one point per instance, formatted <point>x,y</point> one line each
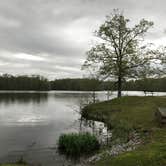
<point>34,82</point>
<point>84,84</point>
<point>149,84</point>
<point>39,83</point>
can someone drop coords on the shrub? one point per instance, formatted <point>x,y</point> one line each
<point>76,144</point>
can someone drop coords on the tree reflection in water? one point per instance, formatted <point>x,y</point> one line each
<point>21,97</point>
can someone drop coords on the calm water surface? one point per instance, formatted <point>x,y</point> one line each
<point>31,122</point>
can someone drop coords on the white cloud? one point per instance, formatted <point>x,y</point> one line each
<point>25,56</point>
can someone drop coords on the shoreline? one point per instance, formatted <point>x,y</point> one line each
<point>129,109</point>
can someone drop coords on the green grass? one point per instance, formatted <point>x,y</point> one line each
<point>137,112</point>
<point>75,145</point>
<point>133,113</point>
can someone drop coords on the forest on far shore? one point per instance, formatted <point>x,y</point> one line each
<point>36,82</point>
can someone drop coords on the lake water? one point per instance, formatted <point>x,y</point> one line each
<point>31,123</point>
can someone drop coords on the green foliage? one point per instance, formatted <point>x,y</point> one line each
<point>74,145</point>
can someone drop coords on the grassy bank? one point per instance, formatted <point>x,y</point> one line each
<point>133,113</point>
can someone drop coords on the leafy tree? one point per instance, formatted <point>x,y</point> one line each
<point>120,53</point>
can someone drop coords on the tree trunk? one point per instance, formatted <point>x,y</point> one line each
<point>94,96</point>
<point>119,86</point>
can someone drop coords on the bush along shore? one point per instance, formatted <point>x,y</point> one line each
<point>75,145</point>
<point>138,139</point>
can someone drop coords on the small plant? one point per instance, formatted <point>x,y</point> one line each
<point>76,144</point>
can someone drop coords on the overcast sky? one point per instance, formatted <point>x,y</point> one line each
<point>50,37</point>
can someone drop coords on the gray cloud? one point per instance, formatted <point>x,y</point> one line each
<point>52,36</point>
